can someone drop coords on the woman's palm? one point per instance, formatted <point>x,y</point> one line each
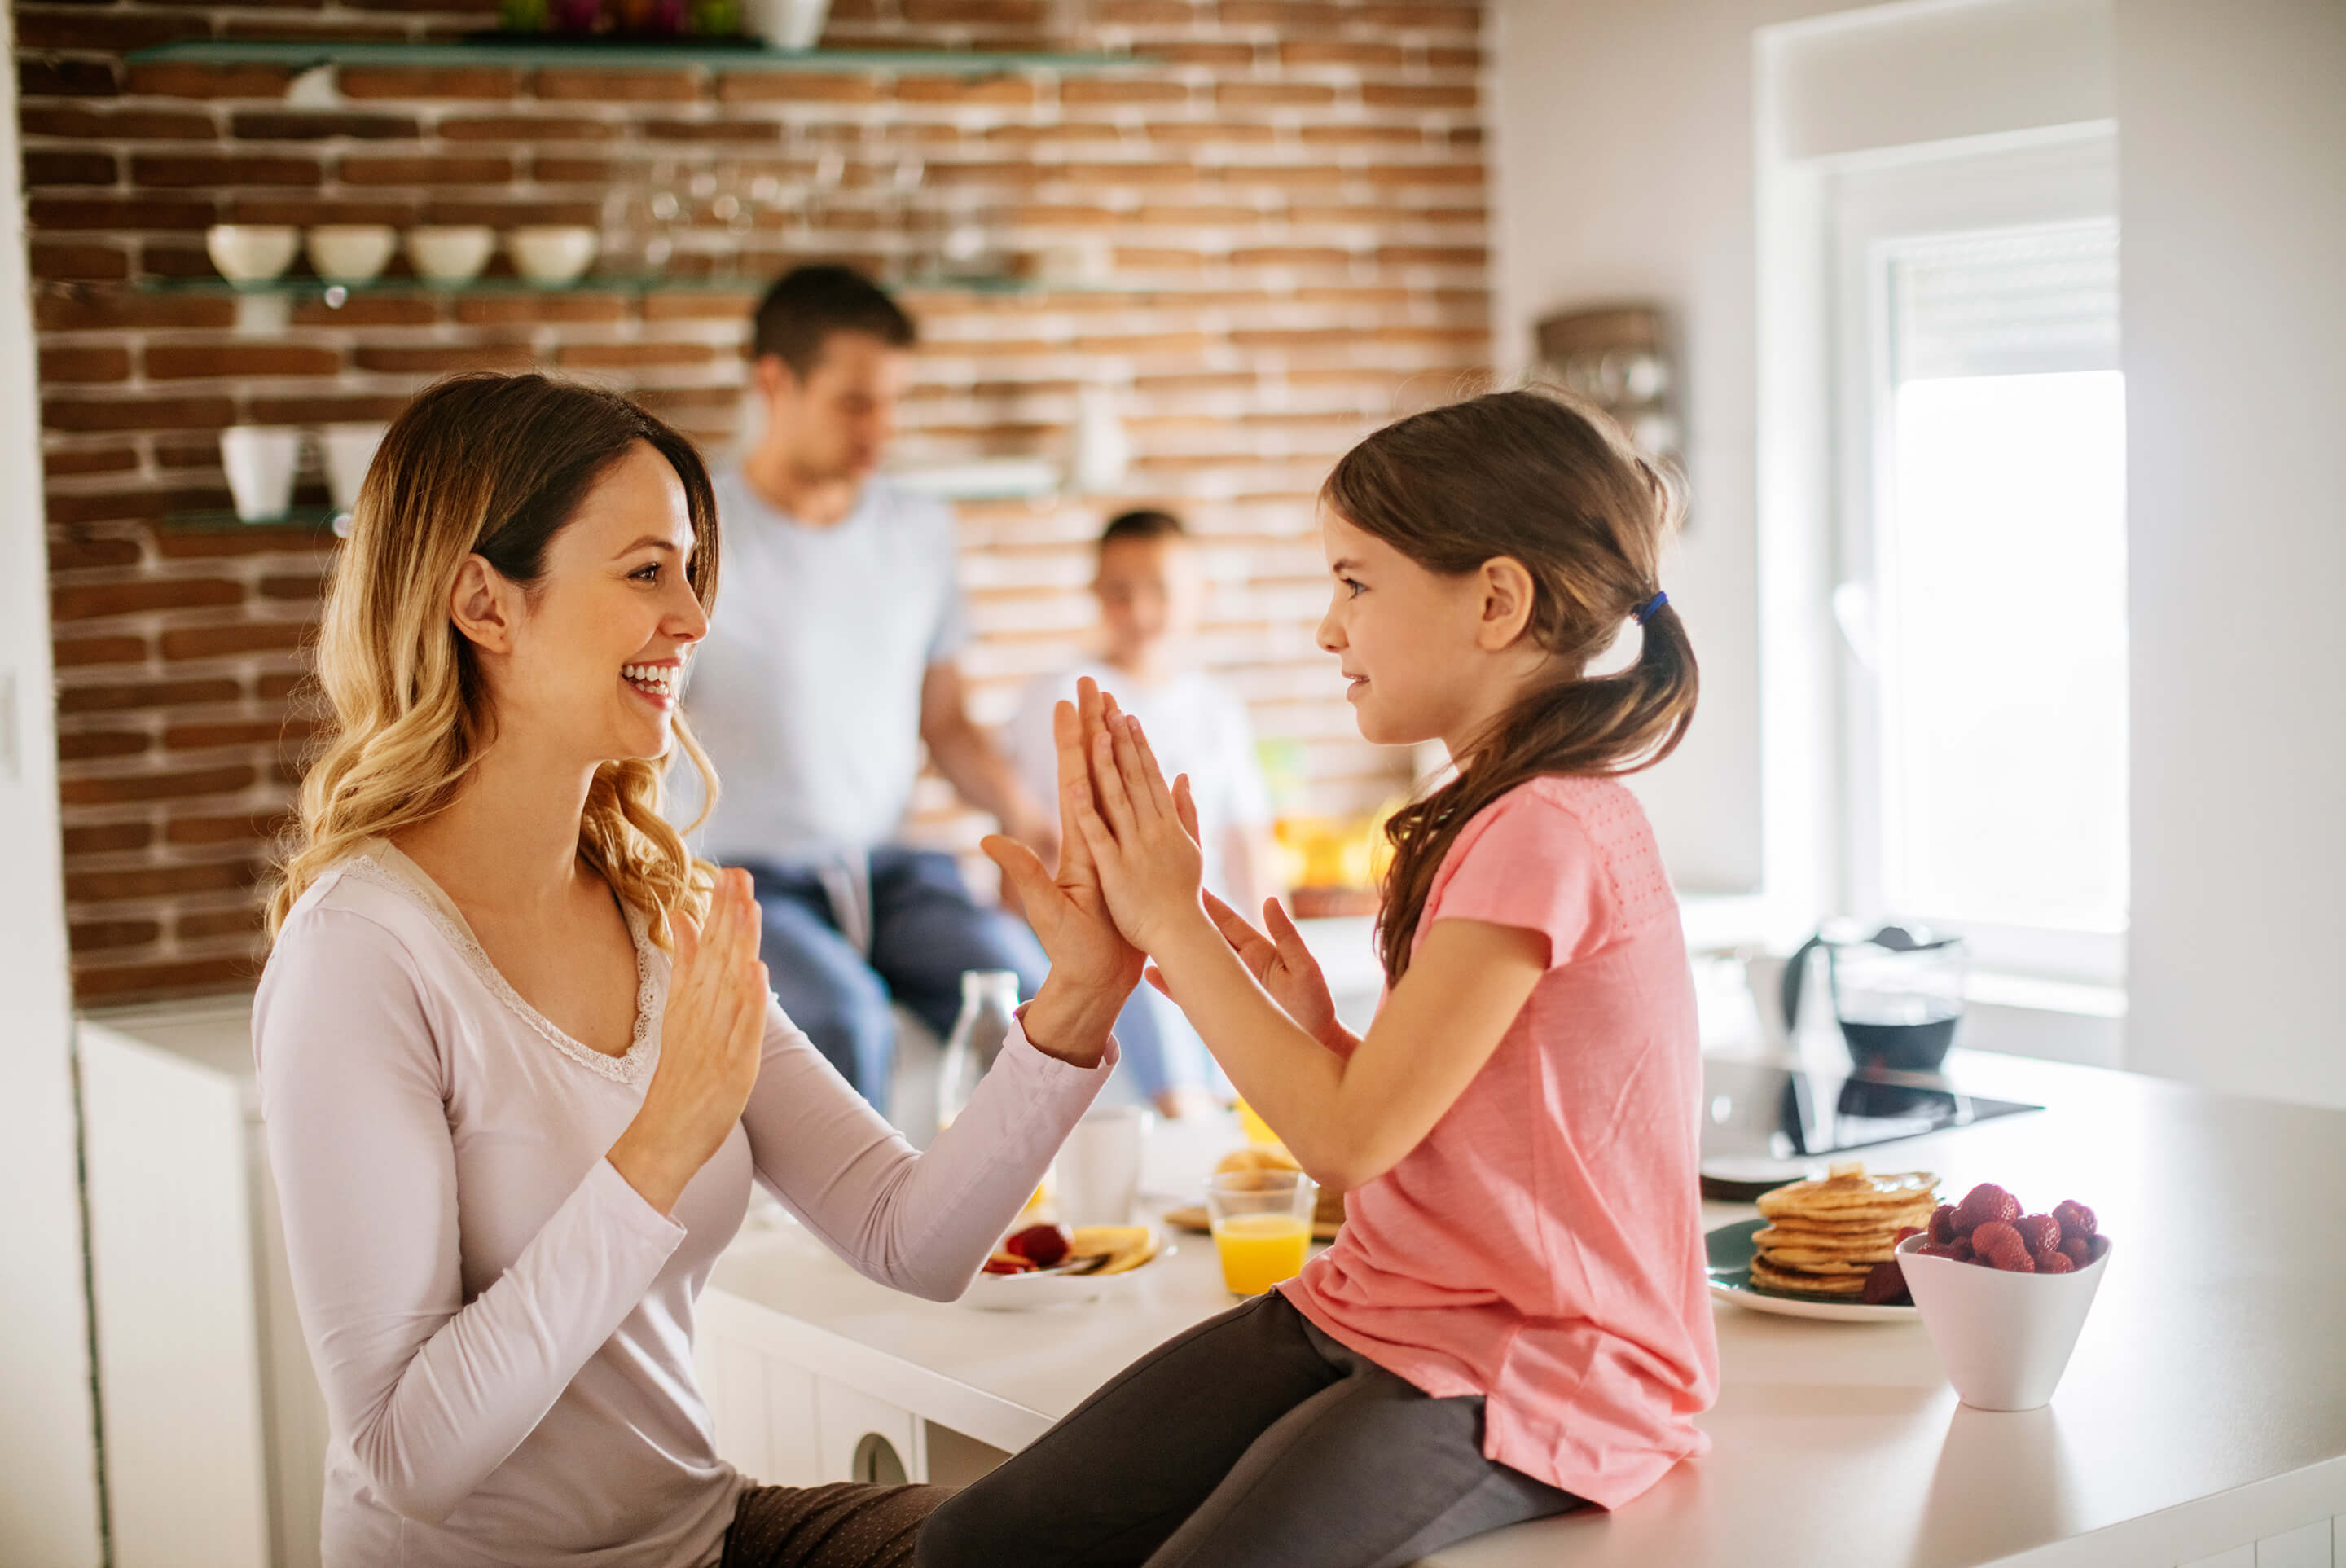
<point>1068,909</point>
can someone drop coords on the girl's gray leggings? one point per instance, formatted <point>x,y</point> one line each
<point>1253,1441</point>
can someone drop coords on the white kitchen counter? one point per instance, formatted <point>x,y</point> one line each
<point>2205,1408</point>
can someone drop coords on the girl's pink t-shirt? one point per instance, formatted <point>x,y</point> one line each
<point>1543,1246</point>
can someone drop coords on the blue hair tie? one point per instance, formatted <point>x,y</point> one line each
<point>1644,612</point>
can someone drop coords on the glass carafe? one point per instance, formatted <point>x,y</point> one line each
<point>988,999</point>
<point>1898,996</point>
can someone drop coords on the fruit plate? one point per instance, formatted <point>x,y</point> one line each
<point>1730,1251</point>
<point>1055,1287</point>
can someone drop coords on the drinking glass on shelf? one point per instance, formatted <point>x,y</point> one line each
<point>730,207</point>
<point>899,217</point>
<point>1262,1225</point>
<point>830,169</point>
<point>765,195</point>
<point>662,211</point>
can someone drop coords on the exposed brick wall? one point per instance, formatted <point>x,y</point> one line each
<point>1295,201</point>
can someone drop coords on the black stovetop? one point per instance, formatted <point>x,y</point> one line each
<point>1764,1125</point>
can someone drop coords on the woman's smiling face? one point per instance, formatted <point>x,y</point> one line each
<point>597,656</point>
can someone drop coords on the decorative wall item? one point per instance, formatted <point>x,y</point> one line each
<point>1620,359</point>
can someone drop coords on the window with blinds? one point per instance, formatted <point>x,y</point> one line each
<point>1999,664</point>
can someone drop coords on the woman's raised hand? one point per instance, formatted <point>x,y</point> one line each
<point>710,1037</point>
<point>1138,832</point>
<point>1093,968</point>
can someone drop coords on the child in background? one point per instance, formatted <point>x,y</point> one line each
<point>1150,591</point>
<point>1513,1319</point>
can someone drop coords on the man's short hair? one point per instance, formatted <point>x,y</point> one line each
<point>1145,523</point>
<point>807,305</point>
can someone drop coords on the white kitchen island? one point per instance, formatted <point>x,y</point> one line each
<point>2203,1417</point>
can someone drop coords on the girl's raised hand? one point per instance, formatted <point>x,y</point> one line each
<point>1147,859</point>
<point>1282,966</point>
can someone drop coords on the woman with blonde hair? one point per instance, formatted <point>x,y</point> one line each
<point>519,1061</point>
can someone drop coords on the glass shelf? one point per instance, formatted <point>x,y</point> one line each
<point>981,479</point>
<point>221,520</point>
<point>306,288</point>
<point>308,53</point>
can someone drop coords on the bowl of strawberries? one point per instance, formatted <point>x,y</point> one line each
<point>2004,1293</point>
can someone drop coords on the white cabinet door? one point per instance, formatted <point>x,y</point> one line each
<point>793,1451</point>
<point>733,1380</point>
<point>171,1277</point>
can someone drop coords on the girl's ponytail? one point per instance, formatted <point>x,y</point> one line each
<point>1535,477</point>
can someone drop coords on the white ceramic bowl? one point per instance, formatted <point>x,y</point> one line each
<point>251,252</point>
<point>451,252</point>
<point>553,253</point>
<point>794,25</point>
<point>2004,1338</point>
<point>351,252</point>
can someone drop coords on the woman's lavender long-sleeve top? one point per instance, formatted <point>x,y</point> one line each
<point>502,1327</point>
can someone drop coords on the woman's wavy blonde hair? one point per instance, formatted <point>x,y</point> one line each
<point>496,466</point>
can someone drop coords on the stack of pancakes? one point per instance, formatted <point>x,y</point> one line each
<point>1824,1238</point>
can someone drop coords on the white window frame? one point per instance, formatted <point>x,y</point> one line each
<point>1872,204</point>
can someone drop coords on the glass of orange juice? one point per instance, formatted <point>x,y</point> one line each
<point>1262,1225</point>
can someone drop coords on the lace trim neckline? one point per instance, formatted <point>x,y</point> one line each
<point>382,864</point>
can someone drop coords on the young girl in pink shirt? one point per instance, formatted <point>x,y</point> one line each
<point>1513,1321</point>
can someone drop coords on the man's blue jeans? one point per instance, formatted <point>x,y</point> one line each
<point>925,932</point>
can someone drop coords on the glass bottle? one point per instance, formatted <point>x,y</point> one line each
<point>988,998</point>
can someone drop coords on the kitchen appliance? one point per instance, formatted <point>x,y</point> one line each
<point>1763,1125</point>
<point>1897,993</point>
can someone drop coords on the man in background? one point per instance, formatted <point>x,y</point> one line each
<point>829,664</point>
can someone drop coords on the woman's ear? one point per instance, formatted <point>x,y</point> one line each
<point>484,605</point>
<point>1506,603</point>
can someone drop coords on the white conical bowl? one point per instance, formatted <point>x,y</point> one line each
<point>2004,1338</point>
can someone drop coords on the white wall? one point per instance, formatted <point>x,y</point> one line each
<point>2232,234</point>
<point>48,1465</point>
<point>1623,161</point>
<point>1940,71</point>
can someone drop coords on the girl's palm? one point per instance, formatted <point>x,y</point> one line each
<point>1282,964</point>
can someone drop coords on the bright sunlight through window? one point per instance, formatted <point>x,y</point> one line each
<point>2005,743</point>
<point>2000,562</point>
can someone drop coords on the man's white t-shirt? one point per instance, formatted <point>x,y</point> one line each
<point>1195,725</point>
<point>807,693</point>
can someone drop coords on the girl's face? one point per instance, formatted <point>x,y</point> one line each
<point>1410,642</point>
<point>596,655</point>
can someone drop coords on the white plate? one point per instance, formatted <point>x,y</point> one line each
<point>1798,1307</point>
<point>1023,1292</point>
